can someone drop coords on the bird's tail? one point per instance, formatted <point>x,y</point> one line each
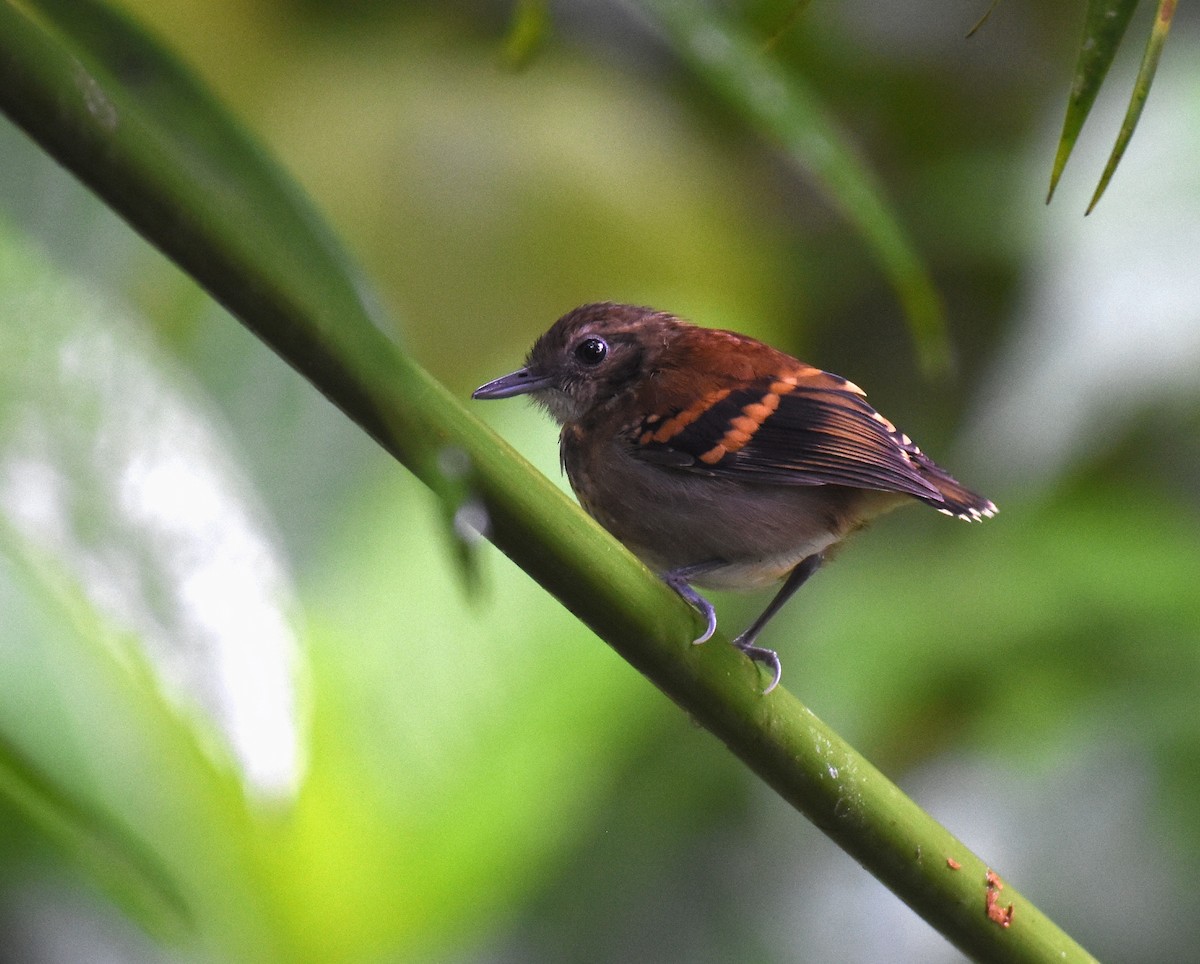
<point>956,499</point>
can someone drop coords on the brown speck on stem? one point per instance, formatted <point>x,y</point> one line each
<point>996,913</point>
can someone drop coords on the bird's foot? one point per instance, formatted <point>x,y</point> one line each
<point>767,657</point>
<point>677,579</point>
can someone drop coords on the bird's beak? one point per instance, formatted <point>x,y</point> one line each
<point>521,382</point>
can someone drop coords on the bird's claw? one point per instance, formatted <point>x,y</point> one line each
<point>767,657</point>
<point>710,613</point>
<point>677,579</point>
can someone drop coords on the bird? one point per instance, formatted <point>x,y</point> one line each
<point>717,460</point>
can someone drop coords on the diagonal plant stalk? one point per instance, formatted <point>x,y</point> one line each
<point>109,105</point>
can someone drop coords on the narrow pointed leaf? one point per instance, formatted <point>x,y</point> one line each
<point>1141,90</point>
<point>1103,30</point>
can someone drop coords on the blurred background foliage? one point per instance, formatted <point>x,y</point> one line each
<point>235,639</point>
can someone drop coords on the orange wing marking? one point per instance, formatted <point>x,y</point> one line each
<point>742,428</point>
<point>673,426</point>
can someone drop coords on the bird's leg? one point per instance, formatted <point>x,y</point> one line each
<point>745,641</point>
<point>680,580</point>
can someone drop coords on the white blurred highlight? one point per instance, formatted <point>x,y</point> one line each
<point>111,473</point>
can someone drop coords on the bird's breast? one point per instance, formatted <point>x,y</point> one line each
<point>675,517</point>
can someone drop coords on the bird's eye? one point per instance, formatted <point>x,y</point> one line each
<point>591,351</point>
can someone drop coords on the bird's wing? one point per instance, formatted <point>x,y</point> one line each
<point>816,430</point>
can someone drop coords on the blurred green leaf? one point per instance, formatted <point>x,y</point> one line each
<point>1103,30</point>
<point>113,776</point>
<point>111,704</point>
<point>793,13</point>
<point>112,471</point>
<point>527,32</point>
<point>144,108</point>
<point>1141,89</point>
<point>129,872</point>
<point>787,110</point>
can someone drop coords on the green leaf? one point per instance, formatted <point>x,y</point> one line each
<point>527,32</point>
<point>123,867</point>
<point>118,780</point>
<point>1102,33</point>
<point>77,369</point>
<point>787,110</point>
<point>1141,89</point>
